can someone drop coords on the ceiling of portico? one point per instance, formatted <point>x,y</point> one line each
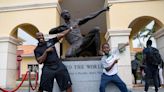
<point>82,8</point>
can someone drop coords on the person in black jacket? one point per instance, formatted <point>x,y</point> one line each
<point>150,68</point>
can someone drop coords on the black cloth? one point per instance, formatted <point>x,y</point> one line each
<point>58,71</point>
<point>148,61</point>
<point>151,72</point>
<point>52,57</point>
<point>53,68</point>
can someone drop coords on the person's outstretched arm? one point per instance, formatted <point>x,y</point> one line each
<point>92,16</point>
<point>120,48</point>
<point>41,58</point>
<point>110,67</point>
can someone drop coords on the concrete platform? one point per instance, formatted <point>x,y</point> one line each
<point>135,89</point>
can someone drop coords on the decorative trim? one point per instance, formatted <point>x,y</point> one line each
<point>126,1</point>
<point>10,39</point>
<point>29,55</point>
<point>29,6</point>
<point>117,32</point>
<point>159,33</point>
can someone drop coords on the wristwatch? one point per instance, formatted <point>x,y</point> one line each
<point>71,28</point>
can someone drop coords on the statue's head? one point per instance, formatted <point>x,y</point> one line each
<point>65,15</point>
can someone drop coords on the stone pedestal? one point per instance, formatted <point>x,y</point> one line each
<point>114,38</point>
<point>86,72</point>
<point>8,47</point>
<point>85,76</point>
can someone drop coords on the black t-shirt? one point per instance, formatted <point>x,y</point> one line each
<point>52,57</point>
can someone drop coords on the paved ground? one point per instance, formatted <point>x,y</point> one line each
<point>135,89</point>
<point>141,89</point>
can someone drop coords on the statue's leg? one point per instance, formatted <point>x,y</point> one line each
<point>70,52</point>
<point>97,42</point>
<point>73,49</point>
<point>93,37</point>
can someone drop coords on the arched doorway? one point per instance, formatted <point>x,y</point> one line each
<point>143,28</point>
<point>141,22</point>
<point>28,28</point>
<point>9,46</point>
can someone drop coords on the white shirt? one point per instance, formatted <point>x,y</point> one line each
<point>108,61</point>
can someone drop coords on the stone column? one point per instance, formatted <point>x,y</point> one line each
<point>159,36</point>
<point>8,47</point>
<point>115,37</point>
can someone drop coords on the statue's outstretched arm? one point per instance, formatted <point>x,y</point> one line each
<point>58,29</point>
<point>92,16</point>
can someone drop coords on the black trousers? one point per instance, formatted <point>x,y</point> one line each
<point>134,72</point>
<point>151,73</point>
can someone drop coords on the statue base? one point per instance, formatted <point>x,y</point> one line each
<point>85,75</point>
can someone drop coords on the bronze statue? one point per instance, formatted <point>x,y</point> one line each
<point>79,45</point>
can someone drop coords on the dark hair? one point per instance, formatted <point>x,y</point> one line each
<point>136,56</point>
<point>104,44</point>
<point>149,43</point>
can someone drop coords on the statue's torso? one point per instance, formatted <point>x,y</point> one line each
<point>74,36</point>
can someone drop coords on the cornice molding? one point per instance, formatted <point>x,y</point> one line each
<point>10,39</point>
<point>29,6</point>
<point>117,32</point>
<point>126,1</point>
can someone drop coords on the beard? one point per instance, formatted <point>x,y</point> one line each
<point>41,40</point>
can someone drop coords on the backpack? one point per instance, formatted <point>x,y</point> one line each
<point>153,56</point>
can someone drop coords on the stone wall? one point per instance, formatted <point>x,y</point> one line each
<point>85,76</point>
<point>159,36</point>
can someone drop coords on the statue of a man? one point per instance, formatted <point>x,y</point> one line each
<point>77,42</point>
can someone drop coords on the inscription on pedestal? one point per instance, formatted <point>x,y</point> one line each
<point>85,76</point>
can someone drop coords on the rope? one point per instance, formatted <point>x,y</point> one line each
<point>14,90</point>
<point>36,82</point>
